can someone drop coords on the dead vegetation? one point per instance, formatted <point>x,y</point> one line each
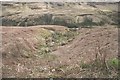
<point>61,54</point>
<point>35,45</point>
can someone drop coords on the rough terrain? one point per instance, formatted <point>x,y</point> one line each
<point>66,61</point>
<point>41,40</point>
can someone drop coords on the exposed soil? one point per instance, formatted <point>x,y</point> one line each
<point>65,61</point>
<point>87,43</point>
<point>34,46</point>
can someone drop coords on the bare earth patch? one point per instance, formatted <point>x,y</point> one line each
<point>22,59</point>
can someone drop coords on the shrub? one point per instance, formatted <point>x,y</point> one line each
<point>114,63</point>
<point>84,65</point>
<point>59,21</point>
<point>72,25</point>
<point>88,22</point>
<point>101,23</point>
<point>47,18</point>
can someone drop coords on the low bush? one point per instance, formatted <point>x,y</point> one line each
<point>84,65</point>
<point>114,63</point>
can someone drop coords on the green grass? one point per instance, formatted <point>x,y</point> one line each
<point>114,63</point>
<point>84,65</point>
<point>53,41</point>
